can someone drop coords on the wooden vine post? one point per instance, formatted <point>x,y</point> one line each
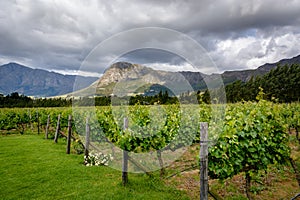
<point>38,121</point>
<point>161,164</point>
<point>29,115</point>
<point>87,138</point>
<point>203,161</point>
<point>69,134</point>
<point>57,129</point>
<point>47,127</point>
<point>125,159</point>
<point>30,119</point>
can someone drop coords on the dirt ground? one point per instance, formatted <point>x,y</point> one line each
<point>274,184</point>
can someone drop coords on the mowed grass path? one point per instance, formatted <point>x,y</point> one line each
<point>34,168</point>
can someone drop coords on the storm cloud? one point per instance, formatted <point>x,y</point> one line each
<point>60,34</point>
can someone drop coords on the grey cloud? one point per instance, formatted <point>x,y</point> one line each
<point>60,34</point>
<point>149,55</point>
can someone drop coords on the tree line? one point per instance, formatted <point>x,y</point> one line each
<point>16,100</point>
<point>281,84</point>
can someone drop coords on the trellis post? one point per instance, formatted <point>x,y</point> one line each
<point>38,121</point>
<point>125,159</point>
<point>57,129</point>
<point>203,161</point>
<point>47,127</point>
<point>69,134</point>
<point>87,138</point>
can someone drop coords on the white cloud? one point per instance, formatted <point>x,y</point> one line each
<point>77,72</point>
<point>253,51</point>
<point>170,67</point>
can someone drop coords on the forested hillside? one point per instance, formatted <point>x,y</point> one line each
<point>280,84</point>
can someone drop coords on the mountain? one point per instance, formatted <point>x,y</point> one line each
<point>36,82</point>
<point>245,75</point>
<point>124,78</point>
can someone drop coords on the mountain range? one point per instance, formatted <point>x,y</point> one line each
<point>124,78</point>
<point>121,79</point>
<point>36,82</point>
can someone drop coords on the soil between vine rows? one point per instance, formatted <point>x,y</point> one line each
<point>275,184</point>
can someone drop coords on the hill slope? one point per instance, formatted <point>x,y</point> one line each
<point>36,82</point>
<point>245,75</point>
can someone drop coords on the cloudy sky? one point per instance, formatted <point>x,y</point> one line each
<point>59,35</point>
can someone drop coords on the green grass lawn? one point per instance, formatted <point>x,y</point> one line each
<point>34,168</point>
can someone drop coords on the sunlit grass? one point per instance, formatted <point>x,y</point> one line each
<point>34,168</point>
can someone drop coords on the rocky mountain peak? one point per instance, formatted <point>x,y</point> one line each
<point>123,71</point>
<point>121,65</point>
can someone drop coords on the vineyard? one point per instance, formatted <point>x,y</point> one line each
<point>244,138</point>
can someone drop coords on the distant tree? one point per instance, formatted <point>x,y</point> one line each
<point>14,95</point>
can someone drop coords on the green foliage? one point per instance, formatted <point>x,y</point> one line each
<point>252,138</point>
<point>281,83</point>
<point>150,128</point>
